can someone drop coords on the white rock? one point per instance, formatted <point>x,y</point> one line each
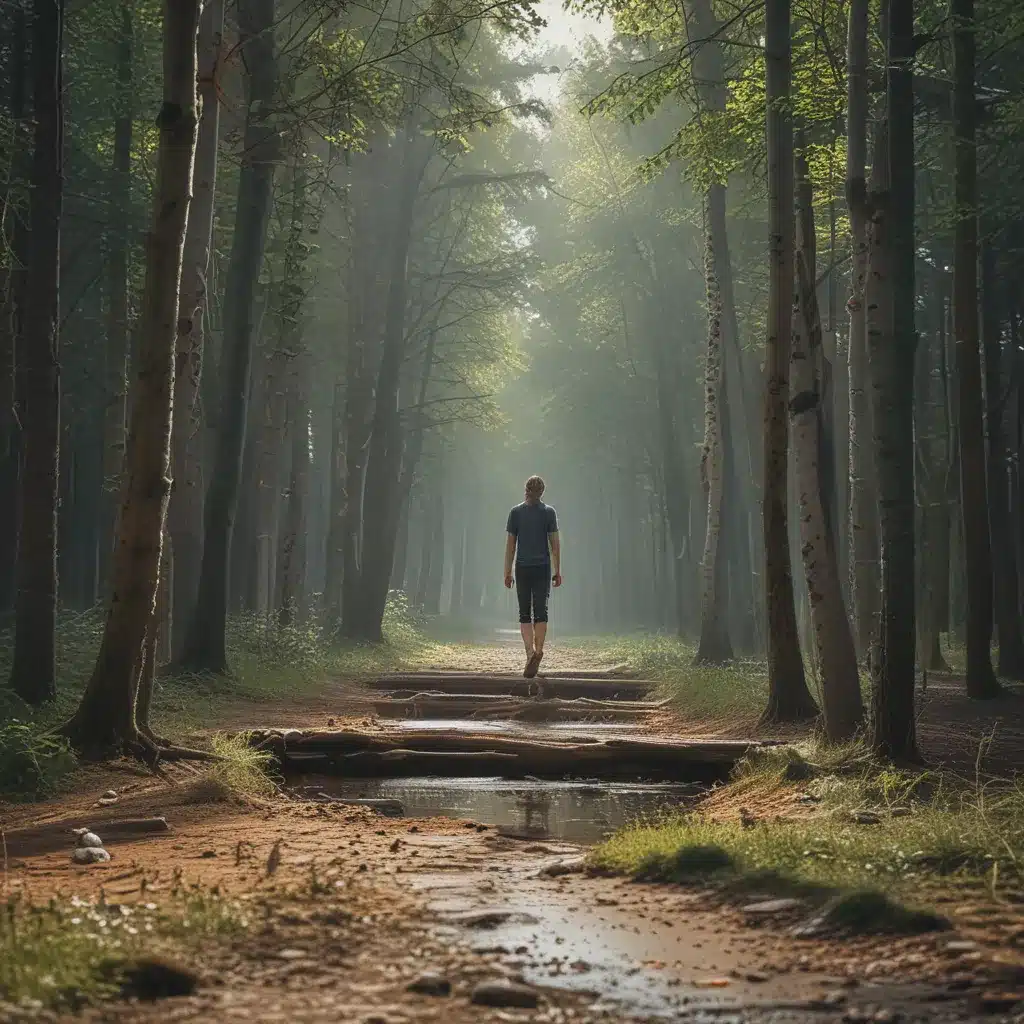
<point>90,839</point>
<point>90,855</point>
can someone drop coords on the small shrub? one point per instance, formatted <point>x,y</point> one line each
<point>33,762</point>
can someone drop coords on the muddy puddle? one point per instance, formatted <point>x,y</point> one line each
<point>659,961</point>
<point>575,811</point>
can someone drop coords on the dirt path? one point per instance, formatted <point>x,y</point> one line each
<point>353,909</point>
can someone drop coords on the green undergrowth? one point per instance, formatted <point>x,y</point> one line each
<point>62,955</point>
<point>907,836</point>
<point>268,662</point>
<point>737,689</point>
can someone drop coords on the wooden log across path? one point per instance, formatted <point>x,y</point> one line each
<point>464,754</point>
<point>432,704</point>
<point>515,686</point>
<point>615,672</point>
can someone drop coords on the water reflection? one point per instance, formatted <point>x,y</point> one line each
<point>581,812</point>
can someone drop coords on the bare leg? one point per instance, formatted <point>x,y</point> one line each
<point>540,630</point>
<point>526,628</point>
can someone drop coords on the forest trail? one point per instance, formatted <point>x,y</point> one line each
<point>477,891</point>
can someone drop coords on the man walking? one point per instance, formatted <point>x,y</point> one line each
<point>532,544</point>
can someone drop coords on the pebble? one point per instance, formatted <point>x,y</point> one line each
<point>866,817</point>
<point>504,993</point>
<point>90,855</point>
<point>90,839</point>
<point>431,984</point>
<point>779,906</point>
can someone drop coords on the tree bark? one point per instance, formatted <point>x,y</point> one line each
<point>106,717</point>
<point>892,384</point>
<point>788,696</point>
<point>185,511</point>
<point>33,670</point>
<point>118,249</point>
<point>292,557</point>
<point>1005,571</point>
<point>833,639</point>
<point>384,461</point>
<point>205,645</point>
<point>981,679</point>
<point>714,647</point>
<point>863,510</point>
<point>12,303</point>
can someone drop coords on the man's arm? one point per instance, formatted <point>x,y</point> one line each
<point>510,554</point>
<point>556,557</point>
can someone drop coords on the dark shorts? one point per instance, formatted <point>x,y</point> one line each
<point>533,585</point>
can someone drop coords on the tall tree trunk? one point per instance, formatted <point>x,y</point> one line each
<point>384,462</point>
<point>292,557</point>
<point>185,511</point>
<point>106,717</point>
<point>12,302</point>
<point>863,510</point>
<point>981,680</point>
<point>33,671</point>
<point>833,639</point>
<point>892,384</point>
<point>458,572</point>
<point>788,696</point>
<point>714,647</point>
<point>118,246</point>
<point>205,644</point>
<point>933,437</point>
<point>1007,585</point>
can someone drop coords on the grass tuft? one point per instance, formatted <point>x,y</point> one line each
<point>244,772</point>
<point>66,955</point>
<point>869,912</point>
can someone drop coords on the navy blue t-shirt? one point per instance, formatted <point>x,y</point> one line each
<point>530,525</point>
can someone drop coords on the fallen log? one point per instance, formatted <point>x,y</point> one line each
<point>516,686</point>
<point>614,672</point>
<point>465,754</point>
<point>484,706</point>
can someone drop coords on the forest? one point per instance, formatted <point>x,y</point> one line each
<point>295,295</point>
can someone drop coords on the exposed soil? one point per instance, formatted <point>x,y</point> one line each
<point>391,899</point>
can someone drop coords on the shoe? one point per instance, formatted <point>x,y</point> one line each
<point>533,664</point>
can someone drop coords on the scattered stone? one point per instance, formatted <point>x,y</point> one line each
<point>502,993</point>
<point>482,918</point>
<point>110,794</point>
<point>867,817</point>
<point>395,846</point>
<point>756,977</point>
<point>829,1000</point>
<point>579,966</point>
<point>712,983</point>
<point>90,839</point>
<point>886,1016</point>
<point>291,954</point>
<point>958,946</point>
<point>413,828</point>
<point>154,978</point>
<point>207,854</point>
<point>431,984</point>
<point>90,855</point>
<point>331,723</point>
<point>769,907</point>
<point>565,866</point>
<point>901,812</point>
